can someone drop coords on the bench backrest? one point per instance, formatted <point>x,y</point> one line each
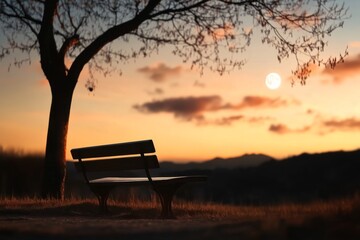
<point>116,157</point>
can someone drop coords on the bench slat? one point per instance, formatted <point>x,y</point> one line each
<point>138,147</point>
<point>134,180</point>
<point>118,164</point>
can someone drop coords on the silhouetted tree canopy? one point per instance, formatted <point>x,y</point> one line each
<point>202,32</point>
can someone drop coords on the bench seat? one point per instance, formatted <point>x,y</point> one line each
<point>145,180</point>
<point>114,159</point>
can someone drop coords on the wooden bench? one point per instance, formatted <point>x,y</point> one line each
<point>119,157</point>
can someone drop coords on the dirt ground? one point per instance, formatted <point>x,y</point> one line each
<point>21,227</point>
<point>22,224</point>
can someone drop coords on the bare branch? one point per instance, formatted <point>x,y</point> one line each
<point>108,36</point>
<point>205,33</point>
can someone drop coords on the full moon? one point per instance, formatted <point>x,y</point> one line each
<point>273,81</point>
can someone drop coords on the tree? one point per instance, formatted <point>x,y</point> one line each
<point>71,34</point>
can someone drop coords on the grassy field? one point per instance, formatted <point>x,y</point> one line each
<point>80,219</point>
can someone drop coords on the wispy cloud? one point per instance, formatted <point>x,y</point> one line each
<point>347,124</point>
<point>156,91</point>
<point>228,120</point>
<point>351,67</point>
<point>262,102</point>
<point>283,129</point>
<point>183,107</point>
<point>199,84</point>
<point>160,72</point>
<point>193,108</point>
<point>223,121</point>
<point>320,126</point>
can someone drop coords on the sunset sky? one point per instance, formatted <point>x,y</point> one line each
<point>197,117</point>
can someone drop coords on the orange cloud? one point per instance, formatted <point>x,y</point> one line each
<point>187,106</point>
<point>351,67</point>
<point>347,124</point>
<point>258,119</point>
<point>228,120</point>
<point>321,126</point>
<point>160,72</point>
<point>279,128</point>
<point>183,107</point>
<point>199,84</point>
<point>259,101</point>
<point>283,129</point>
<point>194,108</point>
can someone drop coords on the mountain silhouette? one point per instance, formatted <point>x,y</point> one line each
<point>247,179</point>
<point>244,161</point>
<point>259,179</point>
<point>302,178</point>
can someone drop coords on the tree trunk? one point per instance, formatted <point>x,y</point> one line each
<point>55,155</point>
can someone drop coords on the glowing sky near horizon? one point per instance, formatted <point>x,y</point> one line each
<point>196,117</point>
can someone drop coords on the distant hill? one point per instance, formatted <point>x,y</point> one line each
<point>247,179</point>
<point>302,178</point>
<point>244,161</point>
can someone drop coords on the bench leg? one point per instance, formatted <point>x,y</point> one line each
<point>102,195</point>
<point>103,202</point>
<point>166,194</point>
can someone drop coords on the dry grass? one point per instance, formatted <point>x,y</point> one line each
<point>79,219</point>
<point>189,209</point>
<point>286,210</point>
